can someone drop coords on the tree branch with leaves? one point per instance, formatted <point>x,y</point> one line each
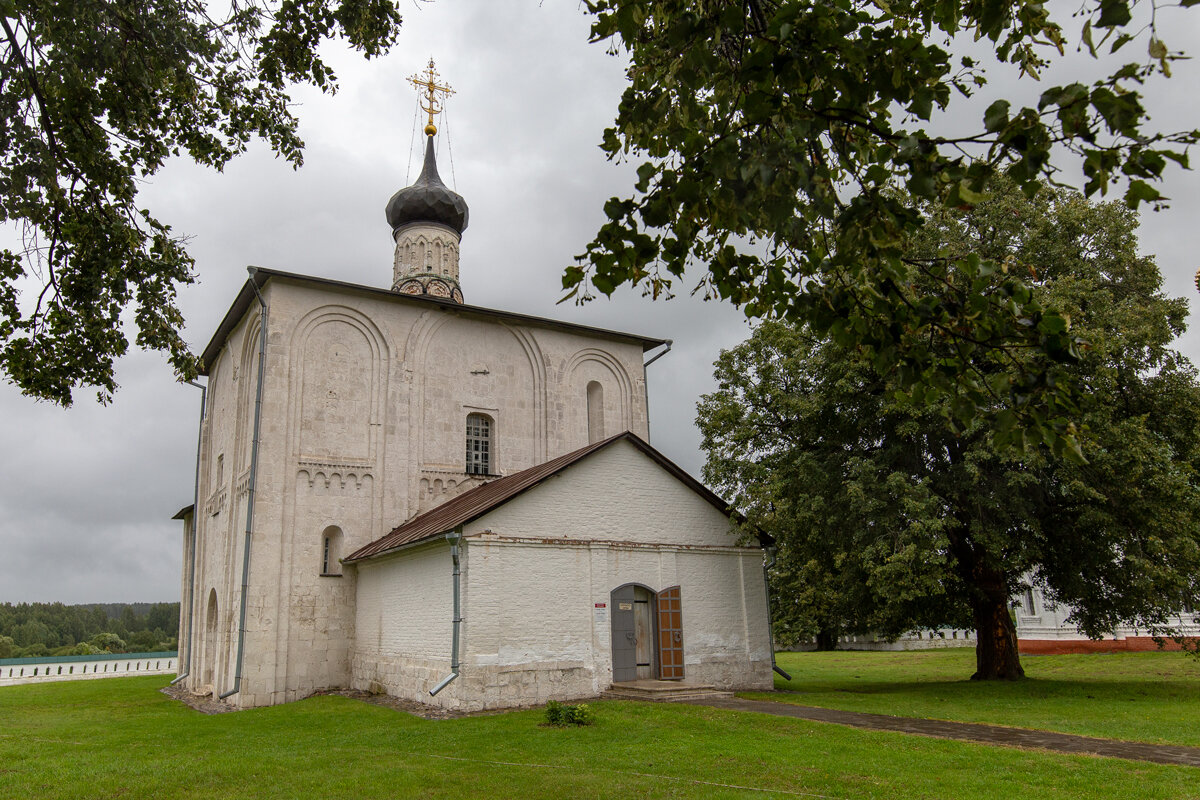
<point>786,147</point>
<point>893,516</point>
<point>95,97</point>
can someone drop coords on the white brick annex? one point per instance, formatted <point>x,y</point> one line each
<point>337,414</point>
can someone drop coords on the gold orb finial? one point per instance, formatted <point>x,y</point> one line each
<point>431,103</point>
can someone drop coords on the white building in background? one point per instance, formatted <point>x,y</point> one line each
<point>1042,629</point>
<point>395,488</point>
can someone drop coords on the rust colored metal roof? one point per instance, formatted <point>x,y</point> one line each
<point>474,503</point>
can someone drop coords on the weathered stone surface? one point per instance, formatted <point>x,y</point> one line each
<point>364,405</point>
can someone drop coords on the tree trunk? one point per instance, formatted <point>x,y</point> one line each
<point>827,639</point>
<point>996,654</point>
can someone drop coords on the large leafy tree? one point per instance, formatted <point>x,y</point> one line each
<point>773,136</point>
<point>96,95</point>
<point>893,516</point>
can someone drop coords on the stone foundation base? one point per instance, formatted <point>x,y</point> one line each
<point>731,674</point>
<point>490,686</point>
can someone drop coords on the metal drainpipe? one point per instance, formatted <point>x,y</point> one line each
<point>646,384</point>
<point>769,562</point>
<point>657,356</point>
<point>454,539</point>
<point>187,667</point>
<point>262,360</point>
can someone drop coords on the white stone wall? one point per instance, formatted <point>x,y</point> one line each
<point>219,519</point>
<point>940,638</point>
<point>617,494</point>
<point>1047,621</point>
<point>534,572</point>
<point>186,611</point>
<point>364,407</point>
<point>403,622</point>
<point>119,666</point>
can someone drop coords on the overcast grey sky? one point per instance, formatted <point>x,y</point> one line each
<point>86,494</point>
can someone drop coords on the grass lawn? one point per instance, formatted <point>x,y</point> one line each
<point>121,738</point>
<point>1148,697</point>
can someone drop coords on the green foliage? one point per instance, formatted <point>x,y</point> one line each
<point>108,643</point>
<point>776,136</point>
<point>95,96</point>
<point>106,627</point>
<point>565,715</point>
<point>895,510</point>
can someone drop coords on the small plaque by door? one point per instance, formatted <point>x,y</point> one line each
<point>670,635</point>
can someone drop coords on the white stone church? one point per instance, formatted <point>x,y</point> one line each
<point>399,492</point>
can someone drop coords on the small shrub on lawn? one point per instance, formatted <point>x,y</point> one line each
<point>562,715</point>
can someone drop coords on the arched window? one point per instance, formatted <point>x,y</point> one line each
<point>210,641</point>
<point>331,551</point>
<point>480,452</point>
<point>1027,607</point>
<point>595,411</point>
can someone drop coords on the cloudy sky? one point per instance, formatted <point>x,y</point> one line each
<point>86,494</point>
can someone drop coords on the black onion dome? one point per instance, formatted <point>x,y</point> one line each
<point>428,200</point>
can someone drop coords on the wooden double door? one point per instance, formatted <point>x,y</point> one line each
<point>647,633</point>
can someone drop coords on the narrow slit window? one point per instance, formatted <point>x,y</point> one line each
<point>1027,607</point>
<point>595,411</point>
<point>479,445</point>
<point>331,551</point>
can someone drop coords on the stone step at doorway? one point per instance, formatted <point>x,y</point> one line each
<point>662,691</point>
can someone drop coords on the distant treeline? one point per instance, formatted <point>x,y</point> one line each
<point>40,629</point>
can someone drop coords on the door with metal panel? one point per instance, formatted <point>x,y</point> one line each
<point>670,635</point>
<point>624,634</point>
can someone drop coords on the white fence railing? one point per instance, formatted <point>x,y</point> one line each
<point>72,668</point>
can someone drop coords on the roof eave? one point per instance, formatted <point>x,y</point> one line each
<point>398,548</point>
<point>260,276</point>
<point>458,519</point>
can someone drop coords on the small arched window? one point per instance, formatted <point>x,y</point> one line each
<point>1027,607</point>
<point>595,411</point>
<point>480,452</point>
<point>331,551</point>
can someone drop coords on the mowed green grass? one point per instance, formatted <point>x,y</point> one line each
<point>121,738</point>
<point>1148,697</point>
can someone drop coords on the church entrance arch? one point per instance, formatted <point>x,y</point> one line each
<point>210,641</point>
<point>647,633</point>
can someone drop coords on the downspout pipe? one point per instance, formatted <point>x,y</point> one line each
<point>646,383</point>
<point>454,538</point>
<point>250,488</point>
<point>769,562</point>
<point>191,610</point>
<point>660,353</point>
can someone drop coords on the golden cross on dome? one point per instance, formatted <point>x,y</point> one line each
<point>431,103</point>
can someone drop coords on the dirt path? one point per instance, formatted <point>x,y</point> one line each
<point>972,732</point>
